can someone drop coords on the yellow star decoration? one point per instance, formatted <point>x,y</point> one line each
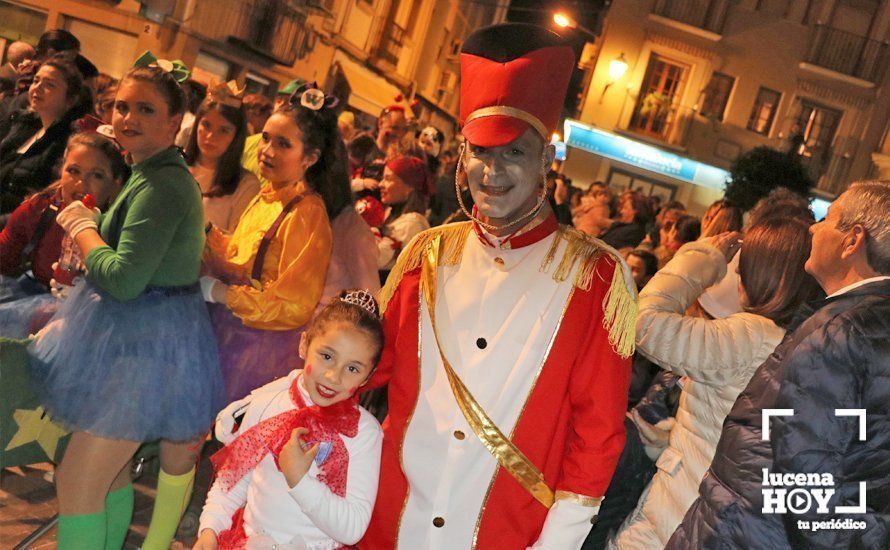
<point>35,425</point>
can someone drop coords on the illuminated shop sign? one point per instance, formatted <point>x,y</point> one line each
<point>641,155</point>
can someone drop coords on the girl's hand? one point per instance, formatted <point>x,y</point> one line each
<point>727,243</point>
<point>213,290</point>
<point>76,217</point>
<point>293,461</point>
<point>206,541</point>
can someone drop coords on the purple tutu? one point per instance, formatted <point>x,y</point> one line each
<point>250,358</point>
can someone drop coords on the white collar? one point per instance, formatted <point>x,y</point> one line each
<point>858,284</point>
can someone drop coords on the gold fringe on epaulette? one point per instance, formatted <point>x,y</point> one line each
<point>454,237</point>
<point>620,303</point>
<point>620,313</point>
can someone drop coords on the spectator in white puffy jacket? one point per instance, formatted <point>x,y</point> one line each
<point>716,358</point>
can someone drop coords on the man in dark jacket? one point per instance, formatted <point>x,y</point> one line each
<point>831,366</point>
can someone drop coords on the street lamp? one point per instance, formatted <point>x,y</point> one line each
<point>617,69</point>
<point>562,20</point>
<point>565,21</point>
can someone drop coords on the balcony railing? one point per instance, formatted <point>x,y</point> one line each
<point>665,122</point>
<point>848,54</point>
<point>273,28</point>
<point>709,15</point>
<point>391,44</point>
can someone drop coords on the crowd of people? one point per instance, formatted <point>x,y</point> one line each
<point>258,280</point>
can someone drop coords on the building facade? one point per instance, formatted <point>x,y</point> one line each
<point>368,50</point>
<point>707,80</point>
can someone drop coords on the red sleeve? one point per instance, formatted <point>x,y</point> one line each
<point>17,234</point>
<point>598,399</point>
<point>391,322</point>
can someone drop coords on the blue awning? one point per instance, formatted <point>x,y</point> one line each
<point>643,155</point>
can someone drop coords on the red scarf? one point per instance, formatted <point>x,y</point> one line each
<point>238,458</point>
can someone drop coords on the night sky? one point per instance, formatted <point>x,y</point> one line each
<point>540,12</point>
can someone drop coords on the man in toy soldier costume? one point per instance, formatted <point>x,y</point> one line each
<point>507,337</point>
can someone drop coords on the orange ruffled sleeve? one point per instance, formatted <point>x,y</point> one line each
<point>294,272</point>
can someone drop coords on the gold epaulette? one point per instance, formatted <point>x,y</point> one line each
<point>620,302</point>
<point>454,236</point>
<point>619,305</point>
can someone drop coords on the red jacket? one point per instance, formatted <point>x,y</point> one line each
<point>572,428</point>
<point>20,230</point>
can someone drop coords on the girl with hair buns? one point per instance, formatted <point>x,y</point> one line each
<point>130,356</point>
<point>266,279</point>
<point>301,470</point>
<point>213,153</point>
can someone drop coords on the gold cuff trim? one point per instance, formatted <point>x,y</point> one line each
<point>591,502</point>
<point>512,112</point>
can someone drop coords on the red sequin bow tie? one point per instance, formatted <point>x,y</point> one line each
<point>245,452</point>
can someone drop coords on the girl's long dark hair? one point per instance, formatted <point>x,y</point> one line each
<point>228,168</point>
<point>329,176</point>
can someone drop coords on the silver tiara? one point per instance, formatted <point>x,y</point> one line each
<point>362,299</point>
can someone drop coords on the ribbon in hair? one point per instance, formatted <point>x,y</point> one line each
<point>311,97</point>
<point>175,68</point>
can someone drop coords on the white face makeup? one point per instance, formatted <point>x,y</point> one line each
<point>506,181</point>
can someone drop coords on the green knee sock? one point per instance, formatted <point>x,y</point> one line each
<point>82,532</point>
<point>173,497</point>
<point>118,513</point>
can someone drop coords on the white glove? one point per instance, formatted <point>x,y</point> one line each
<point>207,286</point>
<point>60,291</point>
<point>76,217</point>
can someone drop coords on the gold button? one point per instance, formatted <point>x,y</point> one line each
<point>438,522</point>
<point>499,261</point>
<point>459,435</point>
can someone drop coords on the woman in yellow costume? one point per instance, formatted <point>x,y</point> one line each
<point>266,278</point>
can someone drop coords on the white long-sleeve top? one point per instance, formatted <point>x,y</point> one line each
<point>310,515</point>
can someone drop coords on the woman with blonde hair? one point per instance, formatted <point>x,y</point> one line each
<point>721,217</point>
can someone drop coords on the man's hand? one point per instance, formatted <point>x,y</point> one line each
<point>293,460</point>
<point>206,541</point>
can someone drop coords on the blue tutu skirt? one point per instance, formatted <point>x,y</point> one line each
<point>139,370</point>
<point>20,299</point>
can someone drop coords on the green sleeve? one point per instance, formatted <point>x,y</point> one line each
<point>148,230</point>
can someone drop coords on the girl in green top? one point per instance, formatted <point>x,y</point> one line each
<point>130,357</point>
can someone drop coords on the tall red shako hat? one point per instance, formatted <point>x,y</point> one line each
<point>513,76</point>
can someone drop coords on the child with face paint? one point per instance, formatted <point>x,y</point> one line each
<point>301,470</point>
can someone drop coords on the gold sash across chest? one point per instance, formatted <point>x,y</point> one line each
<point>507,454</point>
